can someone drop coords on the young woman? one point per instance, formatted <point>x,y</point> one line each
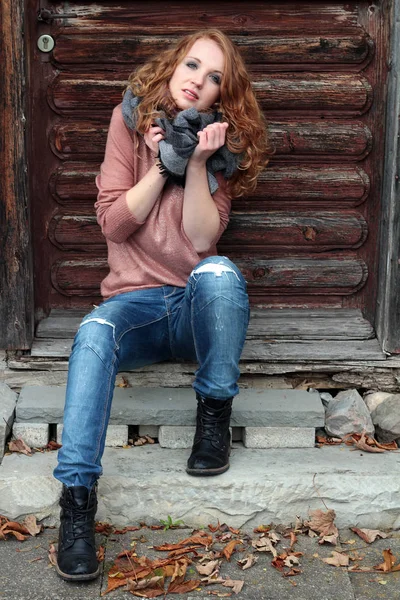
<point>187,137</point>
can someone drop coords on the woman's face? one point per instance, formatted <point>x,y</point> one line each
<point>196,81</point>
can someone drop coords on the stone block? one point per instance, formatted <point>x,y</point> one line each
<point>173,437</point>
<point>374,399</point>
<point>117,435</point>
<point>279,437</point>
<point>386,418</point>
<point>8,401</point>
<point>36,435</point>
<point>261,486</point>
<point>177,406</point>
<point>347,413</point>
<point>151,430</point>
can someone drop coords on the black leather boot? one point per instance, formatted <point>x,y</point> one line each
<point>212,440</point>
<point>76,559</point>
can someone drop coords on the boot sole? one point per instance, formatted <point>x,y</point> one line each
<point>207,472</point>
<point>86,577</point>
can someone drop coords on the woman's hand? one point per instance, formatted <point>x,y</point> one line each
<point>153,137</point>
<point>211,138</point>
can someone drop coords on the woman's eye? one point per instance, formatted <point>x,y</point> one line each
<point>191,65</point>
<point>216,79</point>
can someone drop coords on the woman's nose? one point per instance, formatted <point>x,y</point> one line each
<point>198,79</point>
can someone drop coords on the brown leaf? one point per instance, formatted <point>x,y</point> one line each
<point>15,533</point>
<point>113,584</point>
<point>125,530</point>
<point>52,555</point>
<point>214,528</point>
<point>199,540</point>
<point>369,535</point>
<point>230,548</point>
<point>293,539</point>
<point>19,446</point>
<point>273,537</point>
<point>362,444</point>
<point>264,544</point>
<point>235,584</point>
<point>322,522</point>
<point>183,587</point>
<point>291,560</point>
<point>292,573</point>
<point>209,568</point>
<point>329,539</point>
<point>100,554</point>
<point>337,560</point>
<point>262,529</point>
<point>32,526</point>
<point>388,566</point>
<point>180,551</point>
<point>104,528</point>
<point>152,582</point>
<point>248,561</point>
<point>52,445</point>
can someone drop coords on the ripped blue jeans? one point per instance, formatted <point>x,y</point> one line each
<point>206,321</point>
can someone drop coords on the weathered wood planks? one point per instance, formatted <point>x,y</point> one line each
<point>16,277</point>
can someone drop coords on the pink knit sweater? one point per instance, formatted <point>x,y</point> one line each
<point>157,251</point>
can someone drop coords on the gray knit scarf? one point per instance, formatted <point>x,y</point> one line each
<point>181,139</point>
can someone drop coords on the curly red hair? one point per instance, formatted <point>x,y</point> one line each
<point>246,134</point>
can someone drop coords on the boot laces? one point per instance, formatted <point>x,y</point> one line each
<point>81,526</point>
<point>210,421</point>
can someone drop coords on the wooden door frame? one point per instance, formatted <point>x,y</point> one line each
<point>16,265</point>
<point>388,300</point>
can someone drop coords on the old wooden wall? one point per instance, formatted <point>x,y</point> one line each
<point>16,275</point>
<point>308,237</point>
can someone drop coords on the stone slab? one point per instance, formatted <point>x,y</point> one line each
<point>173,406</point>
<point>36,435</point>
<point>279,437</point>
<point>8,401</point>
<point>117,435</point>
<point>262,486</point>
<point>178,436</point>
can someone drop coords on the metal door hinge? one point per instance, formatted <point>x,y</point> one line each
<point>46,16</point>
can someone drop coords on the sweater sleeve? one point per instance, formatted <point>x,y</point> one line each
<point>116,178</point>
<point>223,203</point>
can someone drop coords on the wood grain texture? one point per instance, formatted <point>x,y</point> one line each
<point>325,324</point>
<point>260,350</point>
<point>16,277</point>
<point>235,17</point>
<point>255,231</point>
<point>309,93</point>
<point>290,140</point>
<point>269,49</point>
<point>282,276</point>
<point>73,186</point>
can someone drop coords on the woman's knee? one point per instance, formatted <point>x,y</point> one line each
<point>221,269</point>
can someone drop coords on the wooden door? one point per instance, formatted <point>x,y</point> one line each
<point>308,236</point>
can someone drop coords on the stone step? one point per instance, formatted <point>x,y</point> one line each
<point>149,483</point>
<point>177,406</point>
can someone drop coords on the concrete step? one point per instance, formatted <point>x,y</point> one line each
<point>177,406</point>
<point>262,486</point>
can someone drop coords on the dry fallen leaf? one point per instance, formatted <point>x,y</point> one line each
<point>368,535</point>
<point>19,446</point>
<point>230,548</point>
<point>100,554</point>
<point>52,555</point>
<point>248,561</point>
<point>389,564</point>
<point>209,568</point>
<point>337,560</point>
<point>235,584</point>
<point>329,539</point>
<point>264,544</point>
<point>32,526</point>
<point>322,522</point>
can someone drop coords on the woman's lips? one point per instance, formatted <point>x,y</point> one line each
<point>190,95</point>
